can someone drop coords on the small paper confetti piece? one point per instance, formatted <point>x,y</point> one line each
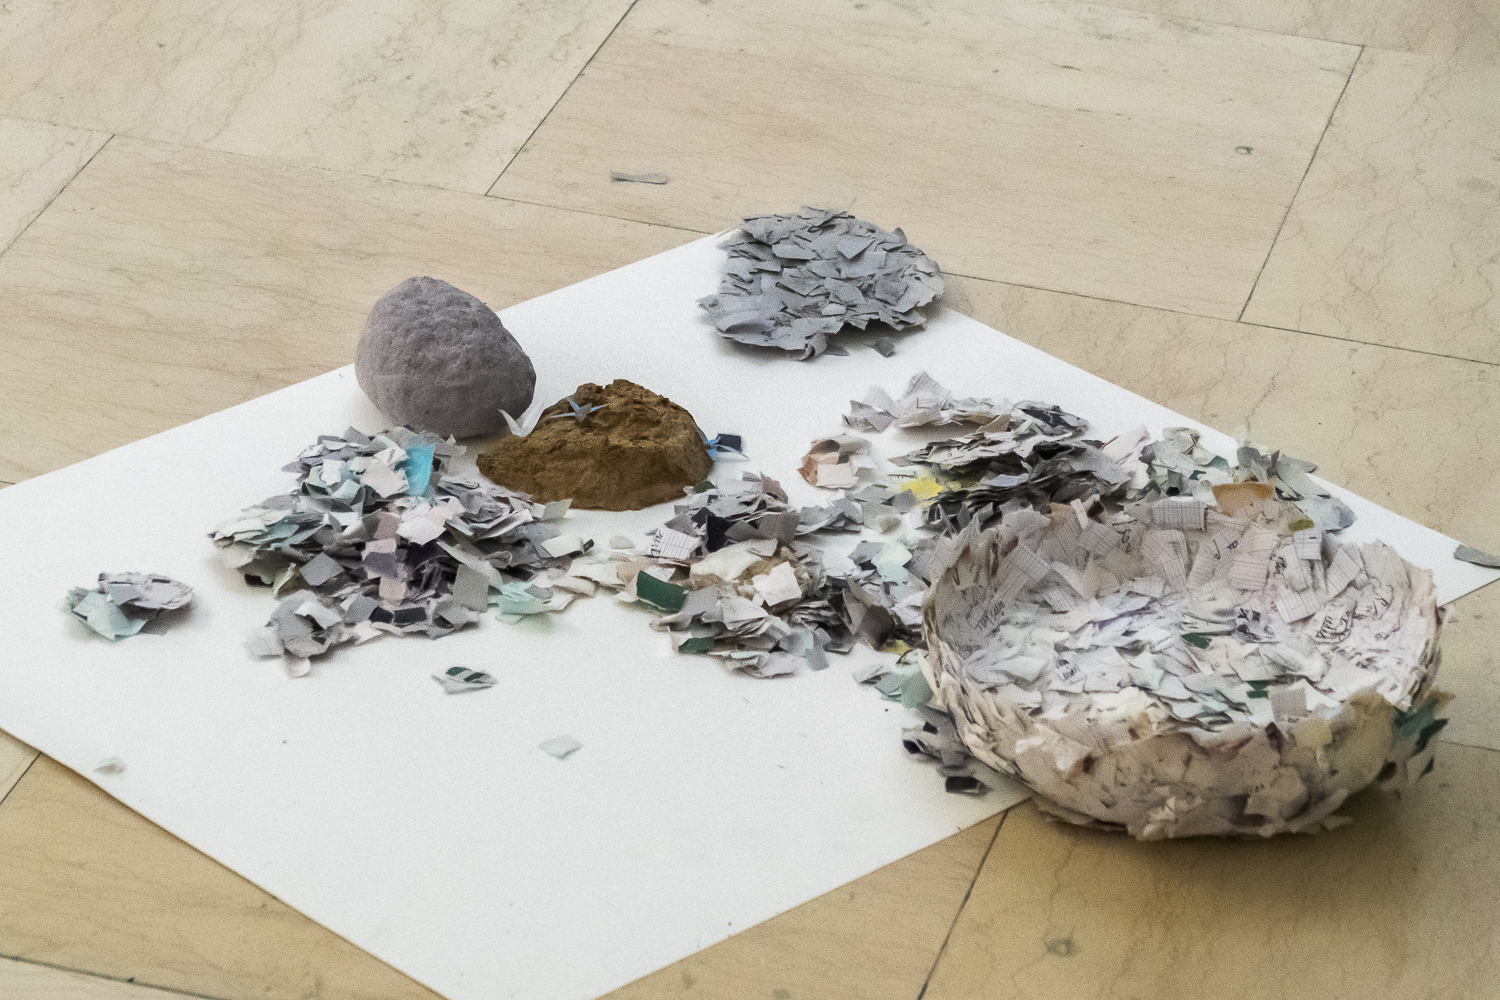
<point>560,746</point>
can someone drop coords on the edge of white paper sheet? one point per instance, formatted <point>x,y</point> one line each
<point>429,829</point>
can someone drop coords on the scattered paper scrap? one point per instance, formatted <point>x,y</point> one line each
<point>460,680</point>
<point>121,604</point>
<point>723,444</point>
<point>793,281</point>
<point>925,403</point>
<point>937,738</point>
<point>659,594</point>
<point>753,596</point>
<point>560,746</point>
<point>837,463</point>
<point>615,175</point>
<point>580,411</point>
<point>1469,554</point>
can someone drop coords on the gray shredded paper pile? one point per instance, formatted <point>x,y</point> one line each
<point>376,539</point>
<point>793,281</point>
<point>121,604</point>
<point>1031,454</point>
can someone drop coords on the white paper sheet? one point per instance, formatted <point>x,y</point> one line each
<point>405,819</point>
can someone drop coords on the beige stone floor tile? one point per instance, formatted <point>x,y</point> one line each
<point>165,284</point>
<point>874,938</point>
<point>1464,30</point>
<point>1415,433</point>
<point>90,885</point>
<point>437,93</point>
<point>1059,145</point>
<point>15,758</point>
<point>36,161</point>
<point>1471,670</point>
<point>1399,904</point>
<point>27,981</point>
<point>1392,238</point>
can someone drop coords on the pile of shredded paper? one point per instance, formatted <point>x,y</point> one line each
<point>122,604</point>
<point>376,539</point>
<point>731,580</point>
<point>793,281</point>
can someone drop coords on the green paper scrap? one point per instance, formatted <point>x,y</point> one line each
<point>659,593</point>
<point>905,685</point>
<point>916,692</point>
<point>697,644</point>
<point>1420,724</point>
<point>109,621</point>
<point>891,562</point>
<point>518,599</point>
<point>1196,639</point>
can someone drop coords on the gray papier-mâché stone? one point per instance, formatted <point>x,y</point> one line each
<point>436,358</point>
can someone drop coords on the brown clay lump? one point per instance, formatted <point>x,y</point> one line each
<point>615,447</point>
<point>435,358</point>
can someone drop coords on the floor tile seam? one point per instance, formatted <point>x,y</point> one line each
<point>1467,746</point>
<point>1094,298</point>
<point>111,979</point>
<point>8,116</point>
<point>1238,27</point>
<point>20,778</point>
<point>1217,319</point>
<point>561,97</point>
<point>57,194</point>
<point>1373,343</point>
<point>1292,202</point>
<point>963,904</point>
<point>303,165</point>
<point>335,172</point>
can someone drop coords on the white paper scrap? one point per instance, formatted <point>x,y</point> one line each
<point>560,746</point>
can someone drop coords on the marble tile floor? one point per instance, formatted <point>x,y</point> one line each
<point>1274,213</point>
